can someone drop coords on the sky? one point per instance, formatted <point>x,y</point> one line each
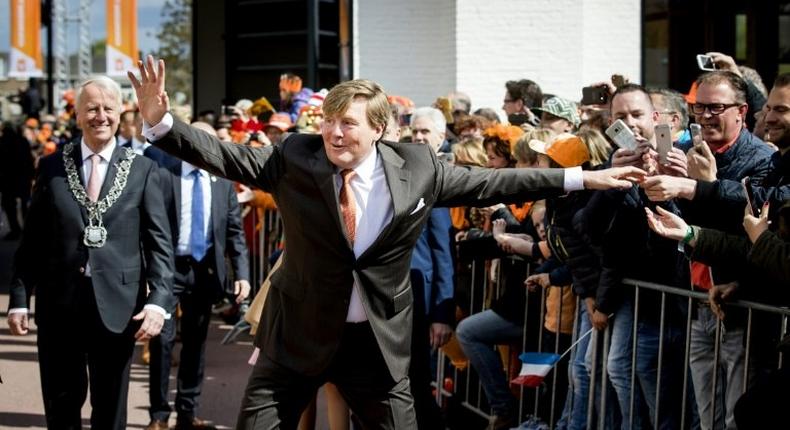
<point>148,21</point>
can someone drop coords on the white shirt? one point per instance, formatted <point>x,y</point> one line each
<point>373,211</point>
<point>87,167</point>
<point>185,211</point>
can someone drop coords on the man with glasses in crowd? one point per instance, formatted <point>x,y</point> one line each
<point>728,151</point>
<point>520,97</point>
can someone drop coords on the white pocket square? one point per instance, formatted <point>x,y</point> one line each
<point>420,205</point>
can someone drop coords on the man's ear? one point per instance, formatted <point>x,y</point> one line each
<point>742,111</point>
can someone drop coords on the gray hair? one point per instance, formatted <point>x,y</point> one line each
<point>435,115</point>
<point>102,82</point>
<point>674,102</point>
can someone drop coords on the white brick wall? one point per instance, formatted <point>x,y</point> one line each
<point>423,49</point>
<point>406,45</point>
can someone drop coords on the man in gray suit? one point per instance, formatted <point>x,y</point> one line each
<point>353,206</point>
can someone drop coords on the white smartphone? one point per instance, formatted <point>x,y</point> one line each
<point>621,135</point>
<point>705,62</point>
<point>696,134</point>
<point>663,142</point>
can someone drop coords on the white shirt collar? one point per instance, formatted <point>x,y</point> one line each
<point>186,169</point>
<point>105,153</point>
<point>367,167</point>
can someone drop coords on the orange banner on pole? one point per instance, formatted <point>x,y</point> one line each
<point>122,52</point>
<point>25,56</point>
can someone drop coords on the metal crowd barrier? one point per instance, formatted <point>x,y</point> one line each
<point>467,391</point>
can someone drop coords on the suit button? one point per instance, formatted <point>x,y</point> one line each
<point>82,270</point>
<point>210,271</point>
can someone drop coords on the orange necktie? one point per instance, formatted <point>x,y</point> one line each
<point>348,204</point>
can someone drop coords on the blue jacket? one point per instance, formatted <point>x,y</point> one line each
<point>432,269</point>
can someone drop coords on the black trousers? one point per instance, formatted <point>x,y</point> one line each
<point>75,346</point>
<point>276,396</point>
<point>196,294</point>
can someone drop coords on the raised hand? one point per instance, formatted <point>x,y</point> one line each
<point>666,224</point>
<point>701,163</point>
<point>755,226</point>
<point>616,177</point>
<point>662,188</point>
<point>677,164</point>
<point>498,229</point>
<point>151,95</point>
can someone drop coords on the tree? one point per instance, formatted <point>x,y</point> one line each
<point>175,46</point>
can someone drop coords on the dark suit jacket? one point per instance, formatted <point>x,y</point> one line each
<point>51,257</point>
<point>226,229</point>
<point>305,312</point>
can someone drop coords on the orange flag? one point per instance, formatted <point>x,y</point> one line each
<point>122,52</point>
<point>25,57</point>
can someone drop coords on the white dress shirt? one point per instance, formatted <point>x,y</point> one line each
<point>185,211</point>
<point>373,211</point>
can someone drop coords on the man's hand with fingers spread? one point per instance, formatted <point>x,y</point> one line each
<point>616,177</point>
<point>150,89</point>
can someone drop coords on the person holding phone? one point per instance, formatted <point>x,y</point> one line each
<point>520,97</point>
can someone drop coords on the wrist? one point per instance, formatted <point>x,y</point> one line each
<point>688,189</point>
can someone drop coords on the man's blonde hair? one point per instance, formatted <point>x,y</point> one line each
<point>341,95</point>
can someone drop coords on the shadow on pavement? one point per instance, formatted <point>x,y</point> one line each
<point>22,420</point>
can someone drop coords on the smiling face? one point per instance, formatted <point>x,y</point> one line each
<point>636,110</point>
<point>719,129</point>
<point>98,114</point>
<point>349,137</point>
<point>777,117</point>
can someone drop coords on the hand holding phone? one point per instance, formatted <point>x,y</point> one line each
<point>595,95</point>
<point>663,142</point>
<point>705,62</point>
<point>621,135</point>
<point>747,187</point>
<point>696,134</point>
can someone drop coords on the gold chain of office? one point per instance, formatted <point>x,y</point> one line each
<point>95,235</point>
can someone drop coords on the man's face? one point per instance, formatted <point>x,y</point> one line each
<point>722,128</point>
<point>635,110</point>
<point>555,123</point>
<point>777,117</point>
<point>665,115</point>
<point>348,137</point>
<point>274,134</point>
<point>511,105</point>
<point>423,131</point>
<point>128,128</point>
<point>98,114</point>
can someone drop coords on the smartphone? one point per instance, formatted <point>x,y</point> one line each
<point>705,62</point>
<point>696,134</point>
<point>595,95</point>
<point>747,187</point>
<point>663,142</point>
<point>621,135</point>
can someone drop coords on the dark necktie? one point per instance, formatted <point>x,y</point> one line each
<point>348,207</point>
<point>197,237</point>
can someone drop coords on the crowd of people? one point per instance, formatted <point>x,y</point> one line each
<point>705,214</point>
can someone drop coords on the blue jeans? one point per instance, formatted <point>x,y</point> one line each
<point>478,334</point>
<point>618,365</point>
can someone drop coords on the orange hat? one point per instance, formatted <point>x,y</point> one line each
<point>691,97</point>
<point>279,120</point>
<point>290,83</point>
<point>401,101</point>
<point>507,133</point>
<point>565,149</point>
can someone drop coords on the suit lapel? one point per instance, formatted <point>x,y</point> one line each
<point>109,177</point>
<point>77,157</point>
<point>323,172</point>
<point>175,178</point>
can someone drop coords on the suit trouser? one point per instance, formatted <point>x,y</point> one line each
<point>196,300</point>
<point>74,346</point>
<point>276,396</point>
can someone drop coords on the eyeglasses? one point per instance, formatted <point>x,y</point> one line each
<point>714,108</point>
